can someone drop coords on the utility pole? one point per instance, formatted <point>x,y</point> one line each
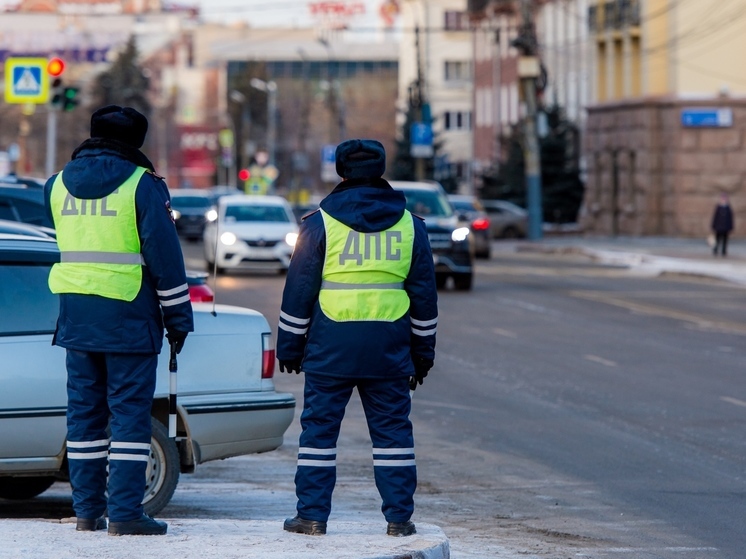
<point>529,69</point>
<point>419,162</point>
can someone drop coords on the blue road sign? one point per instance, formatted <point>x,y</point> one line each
<point>421,140</point>
<point>704,117</point>
<point>329,163</point>
<point>26,80</point>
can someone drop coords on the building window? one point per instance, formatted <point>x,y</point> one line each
<point>456,21</point>
<point>457,71</point>
<point>457,120</point>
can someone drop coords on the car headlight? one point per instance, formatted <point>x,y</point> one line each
<point>211,215</point>
<point>228,238</point>
<point>291,239</point>
<point>460,234</point>
<point>175,213</point>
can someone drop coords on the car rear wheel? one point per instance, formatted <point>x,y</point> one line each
<point>462,282</point>
<point>19,488</point>
<point>162,474</point>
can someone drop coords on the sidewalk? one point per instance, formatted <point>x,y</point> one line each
<point>218,539</point>
<point>652,255</point>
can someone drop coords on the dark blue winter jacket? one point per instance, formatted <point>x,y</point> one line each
<point>93,323</point>
<point>357,349</point>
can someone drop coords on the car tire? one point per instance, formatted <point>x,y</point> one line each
<point>20,488</point>
<point>162,474</point>
<point>462,282</point>
<point>440,280</point>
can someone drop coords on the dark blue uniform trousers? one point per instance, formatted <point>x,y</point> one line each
<point>100,386</point>
<point>387,404</point>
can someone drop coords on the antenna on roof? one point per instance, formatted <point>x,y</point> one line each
<point>215,257</point>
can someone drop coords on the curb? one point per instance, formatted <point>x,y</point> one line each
<point>220,539</point>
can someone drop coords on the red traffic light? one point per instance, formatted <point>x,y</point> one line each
<point>244,174</point>
<point>55,66</point>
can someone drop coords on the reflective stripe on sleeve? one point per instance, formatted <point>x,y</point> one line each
<point>424,323</point>
<point>172,302</point>
<point>417,332</point>
<point>174,291</point>
<point>292,330</point>
<point>293,319</point>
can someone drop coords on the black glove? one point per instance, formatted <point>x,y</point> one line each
<point>421,367</point>
<point>292,366</point>
<point>177,337</point>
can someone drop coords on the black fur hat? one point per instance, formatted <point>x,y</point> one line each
<point>360,159</point>
<point>124,124</point>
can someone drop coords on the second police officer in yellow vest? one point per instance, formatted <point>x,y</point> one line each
<point>359,311</point>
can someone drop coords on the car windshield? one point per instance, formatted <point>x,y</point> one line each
<point>427,203</point>
<point>256,213</point>
<point>463,205</point>
<point>190,202</point>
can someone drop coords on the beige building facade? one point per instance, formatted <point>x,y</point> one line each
<point>666,127</point>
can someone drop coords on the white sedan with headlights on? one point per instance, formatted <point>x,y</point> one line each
<point>251,233</point>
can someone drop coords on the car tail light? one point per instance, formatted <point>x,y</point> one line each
<point>201,293</point>
<point>480,224</point>
<point>268,356</point>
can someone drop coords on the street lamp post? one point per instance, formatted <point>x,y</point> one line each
<point>270,88</point>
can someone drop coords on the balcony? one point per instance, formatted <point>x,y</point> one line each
<point>614,15</point>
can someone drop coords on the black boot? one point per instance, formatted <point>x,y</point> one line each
<point>400,529</point>
<point>90,524</point>
<point>308,527</point>
<point>143,526</point>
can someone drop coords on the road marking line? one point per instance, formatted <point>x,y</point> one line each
<point>653,310</point>
<point>733,401</point>
<point>506,333</point>
<point>597,359</point>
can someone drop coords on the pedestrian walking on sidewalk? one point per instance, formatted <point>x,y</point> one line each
<point>359,310</point>
<point>722,225</point>
<point>120,278</point>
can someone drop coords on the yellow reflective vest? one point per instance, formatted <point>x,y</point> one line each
<point>364,273</point>
<point>99,242</point>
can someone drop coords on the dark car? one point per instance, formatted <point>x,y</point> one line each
<point>191,208</point>
<point>470,210</point>
<point>32,182</point>
<point>507,221</point>
<point>450,240</point>
<point>19,202</point>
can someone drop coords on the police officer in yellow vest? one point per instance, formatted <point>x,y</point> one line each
<point>359,310</point>
<point>121,279</point>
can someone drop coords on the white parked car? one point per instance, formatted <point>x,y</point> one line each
<point>227,403</point>
<point>251,232</point>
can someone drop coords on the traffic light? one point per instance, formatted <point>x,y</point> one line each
<point>69,102</point>
<point>244,174</point>
<point>57,92</point>
<point>55,67</point>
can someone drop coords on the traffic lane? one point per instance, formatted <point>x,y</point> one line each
<point>601,393</point>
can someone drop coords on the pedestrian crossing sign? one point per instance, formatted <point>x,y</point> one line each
<point>26,80</point>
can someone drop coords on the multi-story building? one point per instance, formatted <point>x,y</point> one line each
<point>436,45</point>
<point>561,32</point>
<point>666,132</point>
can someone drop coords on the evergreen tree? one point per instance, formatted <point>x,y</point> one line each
<point>403,165</point>
<point>124,83</point>
<point>562,189</point>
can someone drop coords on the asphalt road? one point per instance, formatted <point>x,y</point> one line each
<point>574,411</point>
